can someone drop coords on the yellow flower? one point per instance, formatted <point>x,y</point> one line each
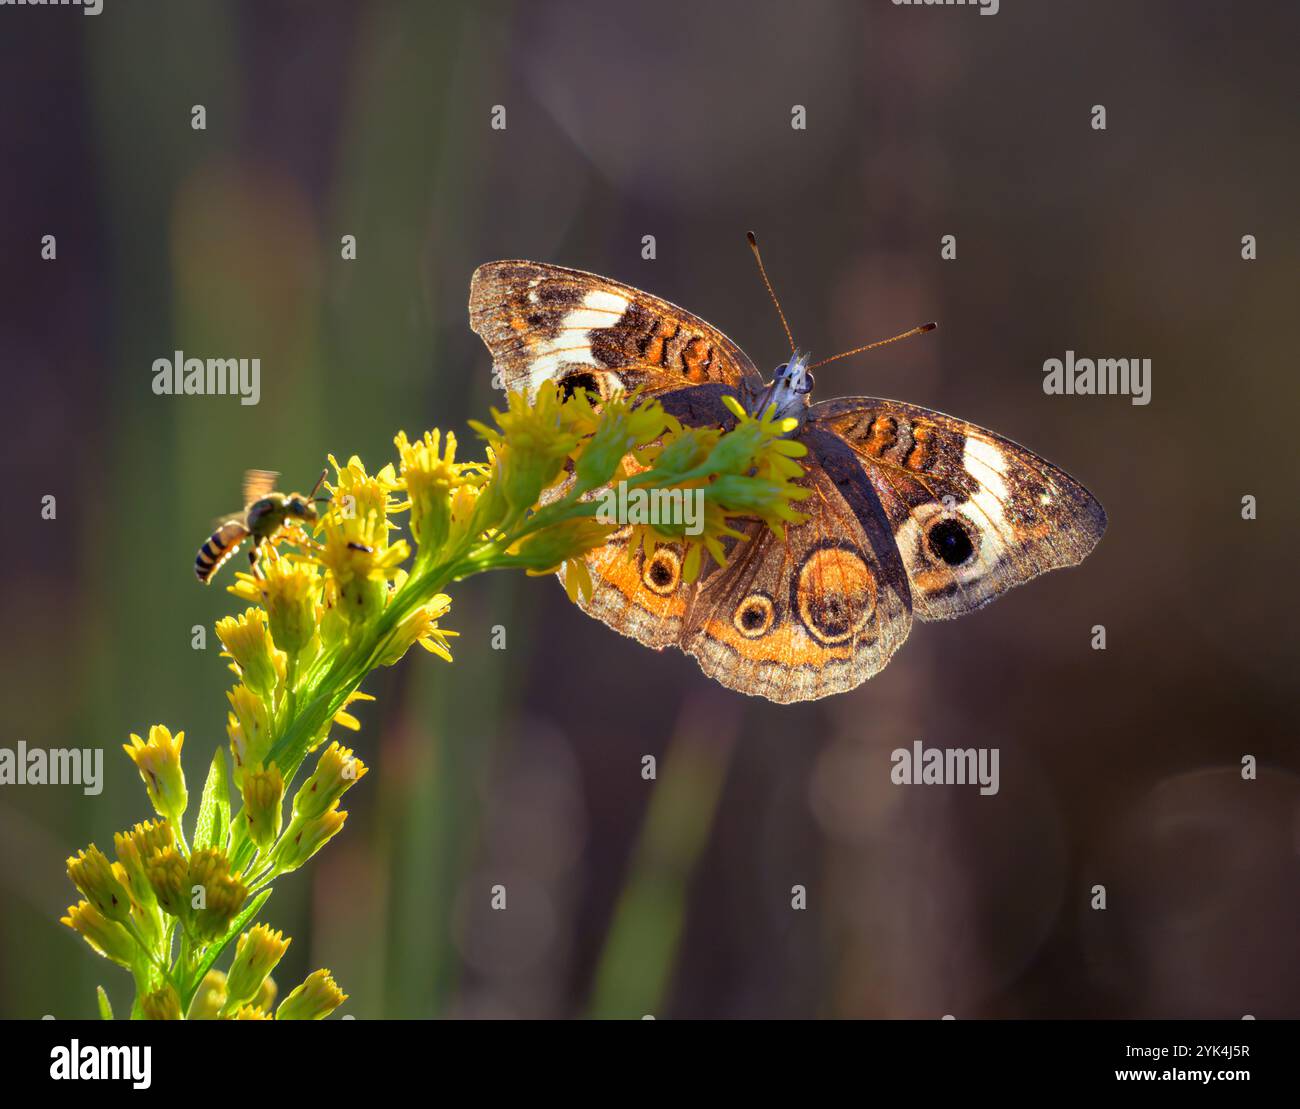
<point>251,1012</point>
<point>162,1004</point>
<point>135,848</point>
<point>307,835</point>
<point>266,995</point>
<point>431,475</point>
<point>248,642</point>
<point>219,894</point>
<point>210,998</point>
<point>345,718</point>
<point>625,423</point>
<point>420,626</point>
<point>94,876</point>
<point>257,952</point>
<point>106,936</point>
<point>168,873</point>
<point>337,771</point>
<point>577,578</point>
<point>159,763</point>
<point>315,999</point>
<point>534,440</point>
<point>263,792</point>
<point>250,735</point>
<point>544,550</point>
<point>291,592</point>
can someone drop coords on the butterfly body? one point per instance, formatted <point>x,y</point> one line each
<point>912,513</point>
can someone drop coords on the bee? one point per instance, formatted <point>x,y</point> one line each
<point>265,514</point>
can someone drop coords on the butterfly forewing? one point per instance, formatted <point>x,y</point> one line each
<point>546,323</point>
<point>973,513</point>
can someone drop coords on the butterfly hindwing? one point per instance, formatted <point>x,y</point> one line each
<point>973,514</point>
<point>791,619</point>
<point>544,323</point>
<point>814,614</point>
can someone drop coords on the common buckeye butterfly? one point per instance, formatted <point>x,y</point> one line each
<point>912,512</point>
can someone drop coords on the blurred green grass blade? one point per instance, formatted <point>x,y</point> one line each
<point>636,967</point>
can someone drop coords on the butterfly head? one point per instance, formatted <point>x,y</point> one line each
<point>788,390</point>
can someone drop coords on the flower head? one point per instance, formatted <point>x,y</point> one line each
<point>159,763</point>
<point>337,771</point>
<point>431,475</point>
<point>210,997</point>
<point>531,442</point>
<point>306,835</point>
<point>257,952</point>
<point>291,592</point>
<point>216,895</point>
<point>248,643</point>
<point>249,728</point>
<point>315,999</point>
<point>100,883</point>
<point>162,1004</point>
<point>108,937</point>
<point>263,793</point>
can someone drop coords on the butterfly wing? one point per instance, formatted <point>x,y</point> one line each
<point>547,323</point>
<point>973,514</point>
<point>818,613</point>
<point>257,484</point>
<point>790,620</point>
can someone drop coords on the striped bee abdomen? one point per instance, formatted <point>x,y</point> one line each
<point>221,544</point>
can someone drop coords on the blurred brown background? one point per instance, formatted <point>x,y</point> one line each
<point>522,766</point>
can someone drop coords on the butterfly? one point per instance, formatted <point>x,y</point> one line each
<point>911,513</point>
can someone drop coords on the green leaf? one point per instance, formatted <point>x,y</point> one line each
<point>105,1009</point>
<point>214,950</point>
<point>213,822</point>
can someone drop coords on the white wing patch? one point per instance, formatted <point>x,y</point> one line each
<point>600,308</point>
<point>985,463</point>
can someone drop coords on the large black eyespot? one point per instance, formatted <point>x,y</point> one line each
<point>949,541</point>
<point>579,383</point>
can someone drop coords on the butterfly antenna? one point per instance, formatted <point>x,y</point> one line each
<point>753,245</point>
<point>881,343</point>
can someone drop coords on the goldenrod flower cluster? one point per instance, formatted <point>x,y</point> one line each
<point>326,609</point>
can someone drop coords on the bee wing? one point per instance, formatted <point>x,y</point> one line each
<point>257,484</point>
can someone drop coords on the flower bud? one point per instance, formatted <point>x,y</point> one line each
<point>94,876</point>
<point>315,999</point>
<point>307,835</point>
<point>163,1004</point>
<point>159,763</point>
<point>106,936</point>
<point>337,771</point>
<point>263,792</point>
<point>257,952</point>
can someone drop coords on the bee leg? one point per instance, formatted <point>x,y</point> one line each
<point>299,536</point>
<point>253,560</point>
